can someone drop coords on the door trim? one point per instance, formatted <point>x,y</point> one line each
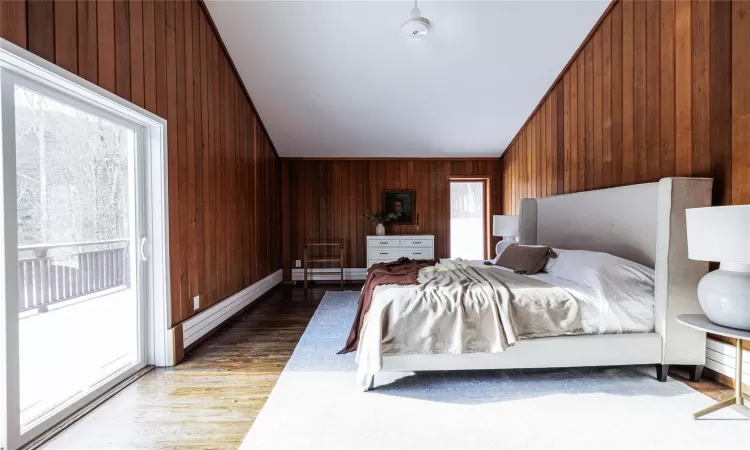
<point>486,181</point>
<point>155,317</point>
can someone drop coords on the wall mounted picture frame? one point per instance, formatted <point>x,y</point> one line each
<point>403,201</point>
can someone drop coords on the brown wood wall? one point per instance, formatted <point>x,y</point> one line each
<point>224,174</point>
<point>325,199</point>
<point>660,88</point>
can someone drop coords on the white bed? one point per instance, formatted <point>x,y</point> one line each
<point>643,223</point>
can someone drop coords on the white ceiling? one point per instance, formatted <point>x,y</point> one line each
<point>338,79</point>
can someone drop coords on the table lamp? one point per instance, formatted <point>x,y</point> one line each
<point>722,234</point>
<point>507,227</point>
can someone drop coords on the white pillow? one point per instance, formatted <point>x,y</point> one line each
<point>586,267</point>
<point>621,286</point>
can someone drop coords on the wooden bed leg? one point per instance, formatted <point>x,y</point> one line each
<point>695,372</point>
<point>661,372</point>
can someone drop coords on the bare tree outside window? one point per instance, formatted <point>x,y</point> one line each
<point>71,167</point>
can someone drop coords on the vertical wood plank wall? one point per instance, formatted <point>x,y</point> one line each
<point>166,57</point>
<point>660,88</point>
<point>325,199</point>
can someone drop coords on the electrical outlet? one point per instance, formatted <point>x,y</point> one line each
<point>196,302</point>
<point>298,263</point>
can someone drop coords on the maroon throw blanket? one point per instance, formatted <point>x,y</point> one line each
<point>405,271</point>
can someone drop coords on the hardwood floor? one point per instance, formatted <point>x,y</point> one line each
<point>212,398</point>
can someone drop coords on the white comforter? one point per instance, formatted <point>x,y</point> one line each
<point>600,313</point>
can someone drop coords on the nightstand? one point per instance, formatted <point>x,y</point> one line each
<point>701,322</point>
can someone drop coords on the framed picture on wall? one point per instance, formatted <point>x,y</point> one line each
<point>403,201</point>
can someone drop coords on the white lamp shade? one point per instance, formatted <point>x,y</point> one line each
<point>720,233</point>
<point>505,225</point>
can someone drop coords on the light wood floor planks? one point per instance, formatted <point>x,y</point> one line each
<point>212,398</point>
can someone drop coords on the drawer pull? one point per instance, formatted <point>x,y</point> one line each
<point>383,253</point>
<point>417,253</point>
<point>417,242</point>
<point>384,243</point>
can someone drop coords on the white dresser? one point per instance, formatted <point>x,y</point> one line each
<point>391,248</point>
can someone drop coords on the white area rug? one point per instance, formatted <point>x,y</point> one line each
<point>316,404</point>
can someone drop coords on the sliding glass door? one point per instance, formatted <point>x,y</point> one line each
<point>73,275</point>
<point>78,296</point>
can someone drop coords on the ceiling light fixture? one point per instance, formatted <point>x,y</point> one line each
<point>416,26</point>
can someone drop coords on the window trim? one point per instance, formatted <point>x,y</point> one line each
<point>486,181</point>
<point>42,75</point>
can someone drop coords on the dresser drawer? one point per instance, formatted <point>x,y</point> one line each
<point>384,253</point>
<point>418,254</point>
<point>383,243</point>
<point>416,243</point>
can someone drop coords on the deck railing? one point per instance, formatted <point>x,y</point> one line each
<point>49,274</point>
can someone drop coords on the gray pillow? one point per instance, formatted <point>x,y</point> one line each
<point>525,259</point>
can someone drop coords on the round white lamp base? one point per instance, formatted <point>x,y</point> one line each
<point>500,246</point>
<point>724,296</point>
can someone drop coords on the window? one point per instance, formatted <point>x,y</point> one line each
<point>83,187</point>
<point>468,217</point>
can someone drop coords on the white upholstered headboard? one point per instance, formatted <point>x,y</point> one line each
<point>620,221</point>
<point>644,223</point>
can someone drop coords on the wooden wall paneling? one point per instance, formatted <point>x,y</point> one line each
<point>662,86</point>
<point>657,87</point>
<point>667,88</point>
<point>598,78</point>
<point>198,152</point>
<point>628,95</point>
<point>653,92</point>
<point>542,134</point>
<point>639,91</point>
<point>683,89</point>
<point>211,157</point>
<point>353,187</point>
<point>40,16</point>
<point>167,57</point>
<point>88,51</point>
<point>13,22</point>
<point>105,18</point>
<point>173,161</point>
<point>606,102</point>
<point>720,94</point>
<point>589,108</point>
<point>573,140</point>
<point>616,96</point>
<point>193,186</point>
<point>183,175</point>
<point>122,48</point>
<point>66,35</point>
<point>701,43</point>
<point>137,57</point>
<point>582,117</point>
<point>566,134</point>
<point>740,170</point>
<point>559,139</point>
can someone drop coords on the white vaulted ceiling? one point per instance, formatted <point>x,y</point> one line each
<point>338,79</point>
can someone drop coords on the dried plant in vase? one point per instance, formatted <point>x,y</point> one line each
<point>381,220</point>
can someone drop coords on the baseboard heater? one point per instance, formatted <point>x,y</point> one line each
<point>720,357</point>
<point>198,326</point>
<point>350,274</point>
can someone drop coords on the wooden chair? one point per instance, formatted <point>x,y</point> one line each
<point>333,252</point>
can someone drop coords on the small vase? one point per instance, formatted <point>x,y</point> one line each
<point>380,230</point>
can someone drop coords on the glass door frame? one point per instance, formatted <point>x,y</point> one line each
<point>486,181</point>
<point>148,203</point>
